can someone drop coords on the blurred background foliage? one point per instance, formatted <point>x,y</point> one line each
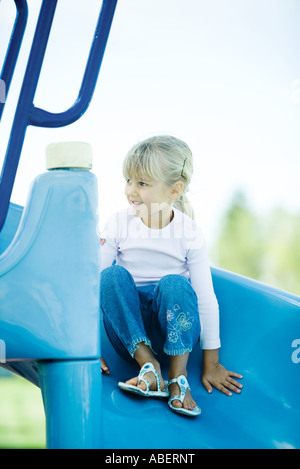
<point>22,419</point>
<point>264,247</point>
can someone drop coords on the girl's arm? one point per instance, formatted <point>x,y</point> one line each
<point>201,281</point>
<point>108,253</point>
<point>213,373</point>
<point>109,242</point>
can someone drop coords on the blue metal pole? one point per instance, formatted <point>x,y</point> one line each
<point>14,47</point>
<point>40,117</point>
<point>71,393</point>
<point>24,105</point>
<point>28,114</point>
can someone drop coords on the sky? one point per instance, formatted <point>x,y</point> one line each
<point>222,75</point>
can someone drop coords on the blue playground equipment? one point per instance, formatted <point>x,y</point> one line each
<point>50,323</point>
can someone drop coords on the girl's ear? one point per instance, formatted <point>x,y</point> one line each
<point>177,190</point>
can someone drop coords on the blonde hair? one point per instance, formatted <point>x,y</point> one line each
<point>165,159</point>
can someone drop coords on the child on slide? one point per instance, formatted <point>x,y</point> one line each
<point>158,298</point>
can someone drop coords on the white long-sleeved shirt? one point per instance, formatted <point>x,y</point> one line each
<point>150,254</point>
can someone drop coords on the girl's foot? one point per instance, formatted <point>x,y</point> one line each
<point>178,367</point>
<point>188,402</point>
<point>143,355</point>
<point>150,377</point>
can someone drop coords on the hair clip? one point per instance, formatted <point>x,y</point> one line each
<point>183,167</point>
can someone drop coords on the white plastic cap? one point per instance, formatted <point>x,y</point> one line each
<point>69,155</point>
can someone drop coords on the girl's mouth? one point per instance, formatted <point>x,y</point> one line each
<point>135,203</point>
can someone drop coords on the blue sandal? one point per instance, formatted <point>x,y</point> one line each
<point>183,385</point>
<point>147,368</point>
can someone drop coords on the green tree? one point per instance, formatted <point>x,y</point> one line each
<point>281,259</point>
<point>264,248</point>
<point>239,247</point>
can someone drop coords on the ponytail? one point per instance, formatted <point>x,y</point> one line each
<point>183,204</point>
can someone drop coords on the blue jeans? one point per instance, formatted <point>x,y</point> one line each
<point>164,315</point>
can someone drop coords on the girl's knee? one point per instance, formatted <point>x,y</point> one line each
<point>113,273</point>
<point>175,292</point>
<point>174,282</point>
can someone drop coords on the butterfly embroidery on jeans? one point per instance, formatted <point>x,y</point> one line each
<point>183,324</point>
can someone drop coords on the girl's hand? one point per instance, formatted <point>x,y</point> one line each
<point>104,367</point>
<point>214,374</point>
<point>221,379</point>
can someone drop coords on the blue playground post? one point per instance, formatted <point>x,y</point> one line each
<point>72,400</point>
<point>49,309</point>
<point>49,253</point>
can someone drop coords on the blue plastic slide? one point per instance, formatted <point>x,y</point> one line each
<point>49,320</point>
<point>50,325</point>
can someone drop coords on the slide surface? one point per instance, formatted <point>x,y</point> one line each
<point>260,333</point>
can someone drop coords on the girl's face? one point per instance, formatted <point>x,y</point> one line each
<point>151,201</point>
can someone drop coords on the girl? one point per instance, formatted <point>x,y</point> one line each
<point>159,294</point>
